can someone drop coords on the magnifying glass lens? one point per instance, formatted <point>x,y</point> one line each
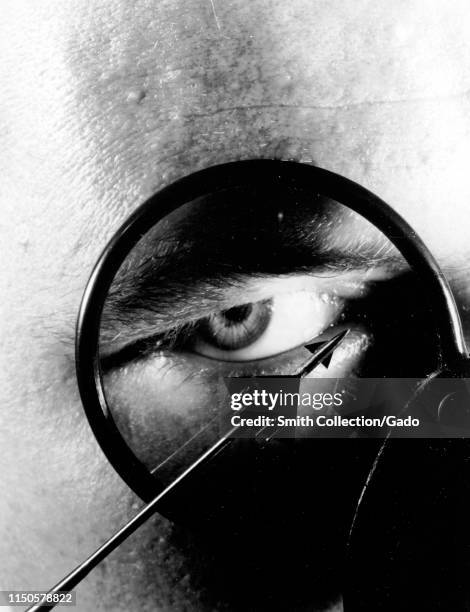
<point>242,283</point>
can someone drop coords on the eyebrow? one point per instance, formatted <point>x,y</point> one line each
<point>183,268</point>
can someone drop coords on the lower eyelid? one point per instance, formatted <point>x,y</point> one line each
<point>276,365</point>
<point>239,365</point>
<point>345,359</point>
<point>279,364</point>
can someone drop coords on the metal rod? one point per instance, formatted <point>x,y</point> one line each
<point>81,571</point>
<point>324,350</point>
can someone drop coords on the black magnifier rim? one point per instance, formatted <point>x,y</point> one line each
<point>240,174</point>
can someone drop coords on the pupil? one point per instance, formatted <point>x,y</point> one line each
<point>238,314</point>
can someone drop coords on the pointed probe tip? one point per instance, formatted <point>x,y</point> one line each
<point>322,352</point>
<point>327,344</point>
<point>340,335</point>
<point>331,344</point>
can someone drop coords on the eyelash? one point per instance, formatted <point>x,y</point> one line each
<point>169,340</point>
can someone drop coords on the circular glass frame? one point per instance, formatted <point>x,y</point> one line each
<point>241,174</point>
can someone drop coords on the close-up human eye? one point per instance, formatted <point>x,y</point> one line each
<point>251,331</point>
<point>239,294</point>
<point>265,328</point>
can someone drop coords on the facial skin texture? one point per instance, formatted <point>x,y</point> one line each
<point>105,102</point>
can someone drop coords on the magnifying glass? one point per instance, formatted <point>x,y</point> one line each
<point>187,294</point>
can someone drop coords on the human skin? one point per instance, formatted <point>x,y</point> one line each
<point>103,104</point>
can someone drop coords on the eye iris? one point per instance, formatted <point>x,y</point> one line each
<point>237,327</point>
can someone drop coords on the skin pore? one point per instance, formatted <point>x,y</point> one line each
<point>103,104</point>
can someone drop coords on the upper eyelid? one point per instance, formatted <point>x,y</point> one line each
<point>211,297</point>
<point>178,298</point>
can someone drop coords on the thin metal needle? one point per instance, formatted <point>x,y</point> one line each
<point>82,570</point>
<point>199,433</point>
